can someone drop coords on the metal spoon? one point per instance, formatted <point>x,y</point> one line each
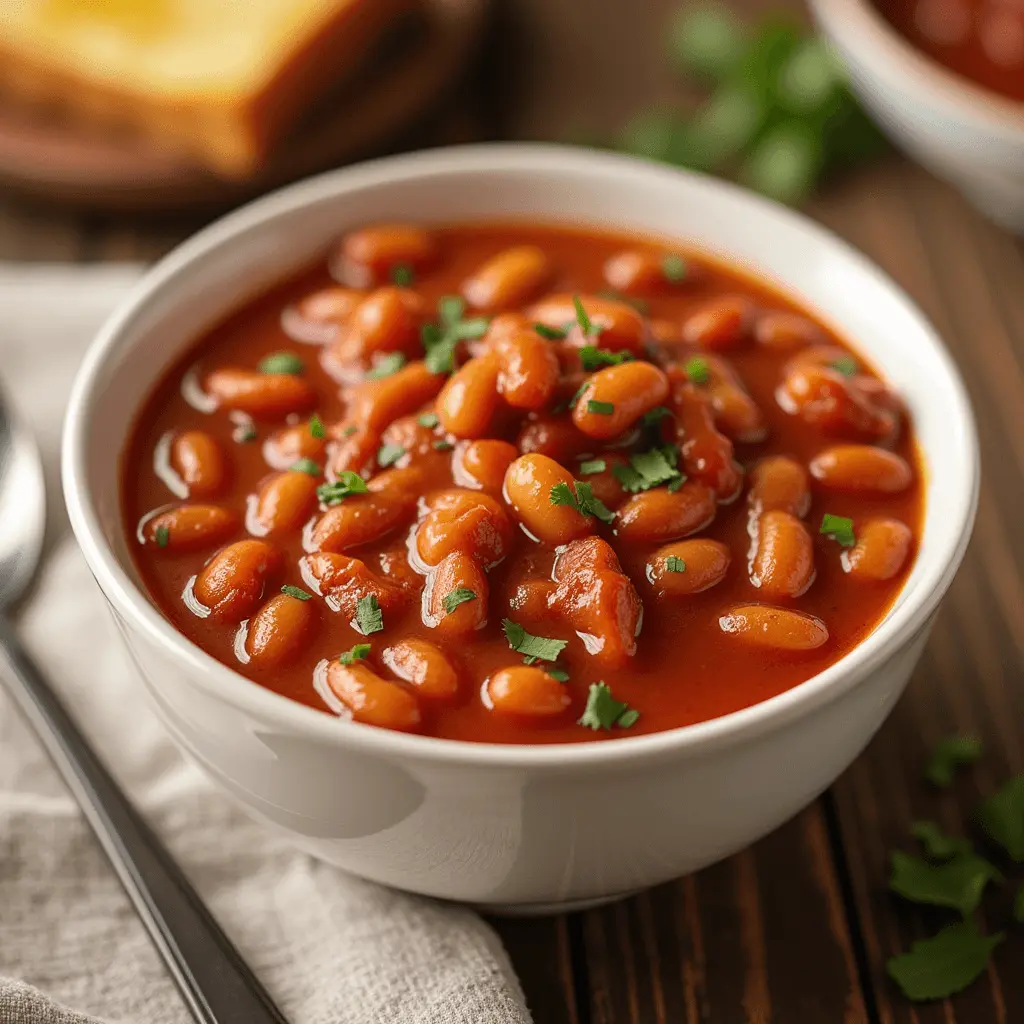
<point>215,982</point>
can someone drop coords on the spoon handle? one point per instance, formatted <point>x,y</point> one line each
<point>216,984</point>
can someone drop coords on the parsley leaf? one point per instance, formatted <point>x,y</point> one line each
<point>349,430</point>
<point>162,536</point>
<point>386,365</point>
<point>558,674</point>
<point>697,370</point>
<point>369,617</point>
<point>603,710</point>
<point>316,427</point>
<point>654,417</point>
<point>1002,817</point>
<point>441,339</point>
<point>582,319</point>
<point>282,362</point>
<point>289,591</point>
<point>674,268</point>
<point>839,528</point>
<point>550,333</point>
<point>949,754</point>
<point>305,466</point>
<point>594,358</point>
<point>600,408</point>
<point>389,454</point>
<point>356,653</point>
<point>583,500</point>
<point>428,420</point>
<point>675,564</point>
<point>458,596</point>
<point>347,484</point>
<point>532,646</point>
<point>937,845</point>
<point>442,446</point>
<point>402,275</point>
<point>592,466</point>
<point>650,469</point>
<point>946,963</point>
<point>958,883</point>
<point>846,365</point>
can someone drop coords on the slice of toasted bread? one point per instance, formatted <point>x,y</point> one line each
<point>222,80</point>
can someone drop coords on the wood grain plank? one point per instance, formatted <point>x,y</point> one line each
<point>541,953</point>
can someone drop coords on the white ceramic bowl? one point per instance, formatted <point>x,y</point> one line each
<point>521,827</point>
<point>964,133</point>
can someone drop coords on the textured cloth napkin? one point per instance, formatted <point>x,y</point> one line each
<point>331,949</point>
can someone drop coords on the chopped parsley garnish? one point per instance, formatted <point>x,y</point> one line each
<point>458,596</point>
<point>839,528</point>
<point>356,653</point>
<point>846,365</point>
<point>428,420</point>
<point>282,362</point>
<point>655,416</point>
<point>583,500</point>
<point>581,317</point>
<point>369,617</point>
<point>386,365</point>
<point>944,964</point>
<point>558,674</point>
<point>600,408</point>
<point>244,433</point>
<point>402,275</point>
<point>443,446</point>
<point>958,883</point>
<point>1002,817</point>
<point>675,564</point>
<point>305,466</point>
<point>603,710</point>
<point>389,454</point>
<point>937,845</point>
<point>162,536</point>
<point>440,339</point>
<point>697,370</point>
<point>297,592</point>
<point>949,754</point>
<point>550,333</point>
<point>347,484</point>
<point>316,426</point>
<point>579,394</point>
<point>592,466</point>
<point>536,647</point>
<point>674,268</point>
<point>349,430</point>
<point>594,358</point>
<point>651,469</point>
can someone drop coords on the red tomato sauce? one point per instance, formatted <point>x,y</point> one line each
<point>686,667</point>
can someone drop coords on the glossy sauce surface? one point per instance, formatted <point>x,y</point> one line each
<point>688,667</point>
<point>983,40</point>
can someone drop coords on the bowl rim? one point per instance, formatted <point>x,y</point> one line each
<point>891,57</point>
<point>901,625</point>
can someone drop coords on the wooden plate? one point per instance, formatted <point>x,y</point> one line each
<point>69,163</point>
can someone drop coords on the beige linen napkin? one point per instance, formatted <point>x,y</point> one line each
<point>330,948</point>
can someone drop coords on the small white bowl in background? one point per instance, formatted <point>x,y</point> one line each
<point>964,133</point>
<point>524,828</point>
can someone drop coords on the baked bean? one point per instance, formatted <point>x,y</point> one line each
<point>782,564</point>
<point>616,397</point>
<point>880,552</point>
<point>779,483</point>
<point>620,326</point>
<point>395,568</point>
<point>261,395</point>
<point>605,485</point>
<point>780,629</point>
<point>354,449</point>
<point>557,437</point>
<point>509,279</point>
<point>500,328</point>
<point>666,332</point>
<point>362,519</point>
<point>371,699</point>
<point>482,465</point>
<point>232,583</point>
<point>529,370</point>
<point>642,272</point>
<point>342,580</point>
<point>826,400</point>
<point>189,527</point>
<point>409,434</point>
<point>530,600</point>
<point>528,485</point>
<point>423,666</point>
<point>329,305</point>
<point>476,525</point>
<point>469,400</point>
<point>199,460</point>
<point>284,502</point>
<point>816,355</point>
<point>781,331</point>
<point>660,515</point>
<point>289,444</point>
<point>688,567</point>
<point>457,571</point>
<point>280,630</point>
<point>705,452</point>
<point>527,691</point>
<point>370,256</point>
<point>376,403</point>
<point>736,414</point>
<point>387,320</point>
<point>861,467</point>
<point>720,324</point>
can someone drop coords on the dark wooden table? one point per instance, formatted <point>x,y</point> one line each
<point>797,929</point>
